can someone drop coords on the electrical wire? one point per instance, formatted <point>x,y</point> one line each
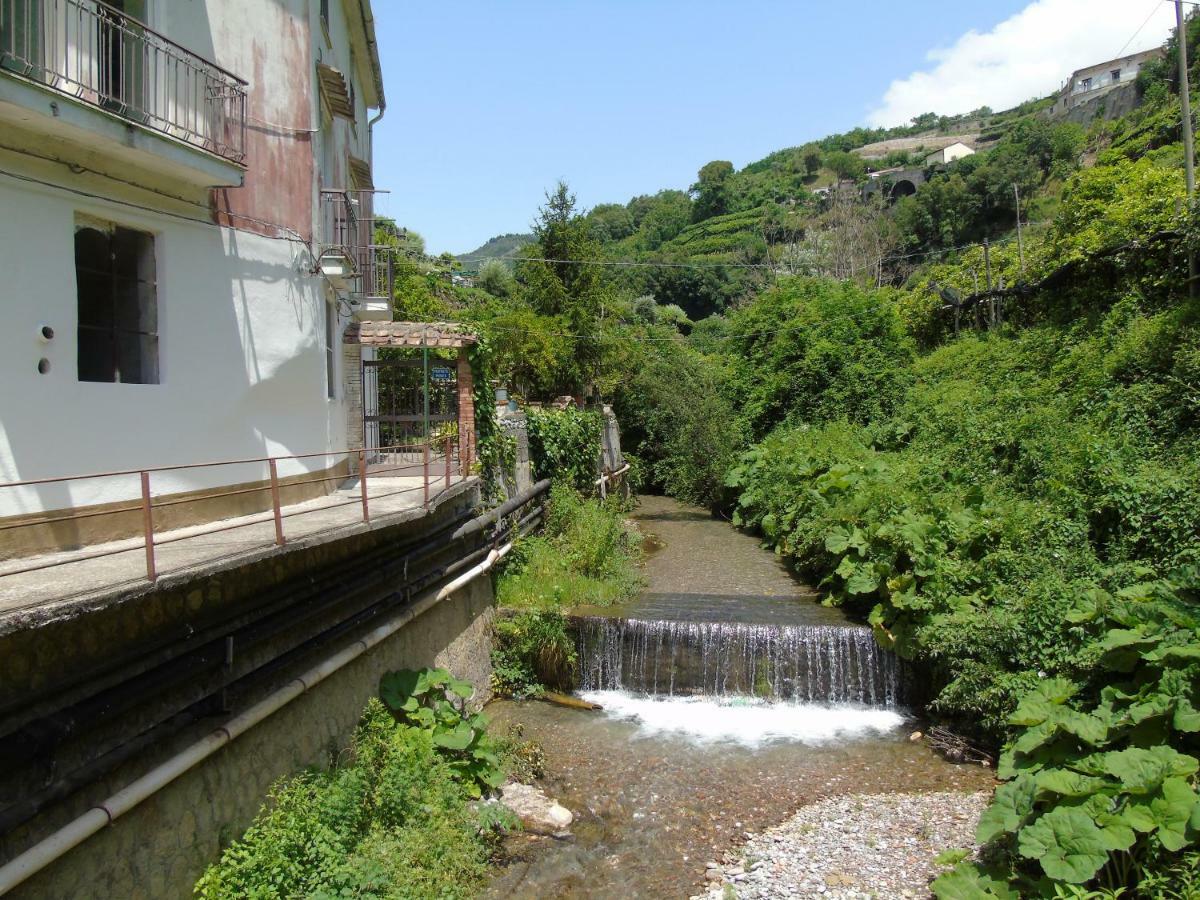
<point>1153,11</point>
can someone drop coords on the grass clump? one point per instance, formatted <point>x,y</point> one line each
<point>391,823</point>
<point>587,555</point>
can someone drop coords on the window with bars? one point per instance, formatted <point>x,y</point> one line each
<point>117,304</point>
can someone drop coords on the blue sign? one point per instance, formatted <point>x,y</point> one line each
<point>439,373</point>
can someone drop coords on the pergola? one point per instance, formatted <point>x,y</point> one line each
<point>427,336</point>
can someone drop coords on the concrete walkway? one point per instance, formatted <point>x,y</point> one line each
<point>74,576</point>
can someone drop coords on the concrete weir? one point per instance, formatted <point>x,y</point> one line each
<point>98,691</point>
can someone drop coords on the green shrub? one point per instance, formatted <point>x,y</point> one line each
<point>435,701</point>
<point>1100,782</point>
<point>532,651</point>
<point>564,444</point>
<point>392,822</point>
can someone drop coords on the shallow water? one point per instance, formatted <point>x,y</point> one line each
<point>653,802</point>
<point>661,784</point>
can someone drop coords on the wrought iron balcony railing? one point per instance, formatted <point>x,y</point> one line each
<point>348,232</point>
<point>96,53</point>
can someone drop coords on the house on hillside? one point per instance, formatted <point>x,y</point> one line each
<point>957,150</point>
<point>188,233</point>
<point>1095,81</point>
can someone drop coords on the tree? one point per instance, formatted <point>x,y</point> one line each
<point>812,162</point>
<point>496,278</point>
<point>610,222</point>
<point>847,166</point>
<point>711,190</point>
<point>563,282</point>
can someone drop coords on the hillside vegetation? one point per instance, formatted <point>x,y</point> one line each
<point>1003,484</point>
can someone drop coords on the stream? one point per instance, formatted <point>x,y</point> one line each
<point>730,699</point>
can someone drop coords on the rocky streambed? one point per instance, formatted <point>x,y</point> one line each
<point>846,848</point>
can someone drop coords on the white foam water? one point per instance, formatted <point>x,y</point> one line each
<point>745,720</point>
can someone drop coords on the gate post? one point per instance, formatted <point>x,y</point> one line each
<point>466,412</point>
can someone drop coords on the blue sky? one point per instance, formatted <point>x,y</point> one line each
<point>491,101</point>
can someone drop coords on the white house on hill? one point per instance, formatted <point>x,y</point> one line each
<point>949,154</point>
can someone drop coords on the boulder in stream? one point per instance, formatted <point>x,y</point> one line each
<point>538,813</point>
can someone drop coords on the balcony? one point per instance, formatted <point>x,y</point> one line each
<point>120,73</point>
<point>351,259</point>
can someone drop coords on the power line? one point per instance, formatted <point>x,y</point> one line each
<point>1121,52</point>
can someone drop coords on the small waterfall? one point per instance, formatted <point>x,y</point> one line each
<point>799,663</point>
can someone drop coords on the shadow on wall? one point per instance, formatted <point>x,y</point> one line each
<point>233,386</point>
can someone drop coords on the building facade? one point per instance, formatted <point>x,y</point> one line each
<point>186,233</point>
<point>1095,81</point>
<point>947,155</point>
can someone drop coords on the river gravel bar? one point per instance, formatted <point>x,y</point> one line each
<point>847,848</point>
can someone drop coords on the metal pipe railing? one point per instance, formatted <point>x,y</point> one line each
<point>152,539</point>
<point>102,56</point>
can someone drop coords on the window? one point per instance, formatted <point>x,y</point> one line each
<point>1116,75</point>
<point>1085,84</point>
<point>330,349</point>
<point>117,304</point>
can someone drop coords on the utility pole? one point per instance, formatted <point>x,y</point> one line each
<point>987,261</point>
<point>1020,239</point>
<point>1189,149</point>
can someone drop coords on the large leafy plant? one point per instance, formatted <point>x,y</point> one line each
<point>1100,780</point>
<point>564,444</point>
<point>434,700</point>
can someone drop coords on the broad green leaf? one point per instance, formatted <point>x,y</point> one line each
<point>457,739</point>
<point>1187,717</point>
<point>951,857</point>
<point>396,687</point>
<point>461,688</point>
<point>1036,706</point>
<point>1138,815</point>
<point>1117,833</point>
<point>1067,783</point>
<point>1172,811</point>
<point>1176,656</point>
<point>1154,706</point>
<point>1010,807</point>
<point>837,540</point>
<point>1034,737</point>
<point>1123,648</point>
<point>847,567</point>
<point>863,581</point>
<point>1141,771</point>
<point>1090,728</point>
<point>967,882</point>
<point>1067,843</point>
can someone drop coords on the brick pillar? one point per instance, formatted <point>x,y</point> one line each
<point>466,411</point>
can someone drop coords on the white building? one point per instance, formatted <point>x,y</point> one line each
<point>949,154</point>
<point>185,235</point>
<point>1093,82</point>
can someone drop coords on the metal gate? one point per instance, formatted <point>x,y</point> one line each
<point>409,402</point>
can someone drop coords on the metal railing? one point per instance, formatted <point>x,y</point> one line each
<point>348,229</point>
<point>434,463</point>
<point>97,54</point>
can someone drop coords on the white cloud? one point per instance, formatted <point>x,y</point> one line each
<point>1026,56</point>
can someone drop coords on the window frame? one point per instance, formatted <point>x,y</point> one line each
<point>118,304</point>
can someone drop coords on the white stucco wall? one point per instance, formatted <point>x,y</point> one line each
<point>242,362</point>
<point>241,316</point>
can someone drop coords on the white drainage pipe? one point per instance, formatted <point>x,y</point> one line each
<point>105,813</point>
